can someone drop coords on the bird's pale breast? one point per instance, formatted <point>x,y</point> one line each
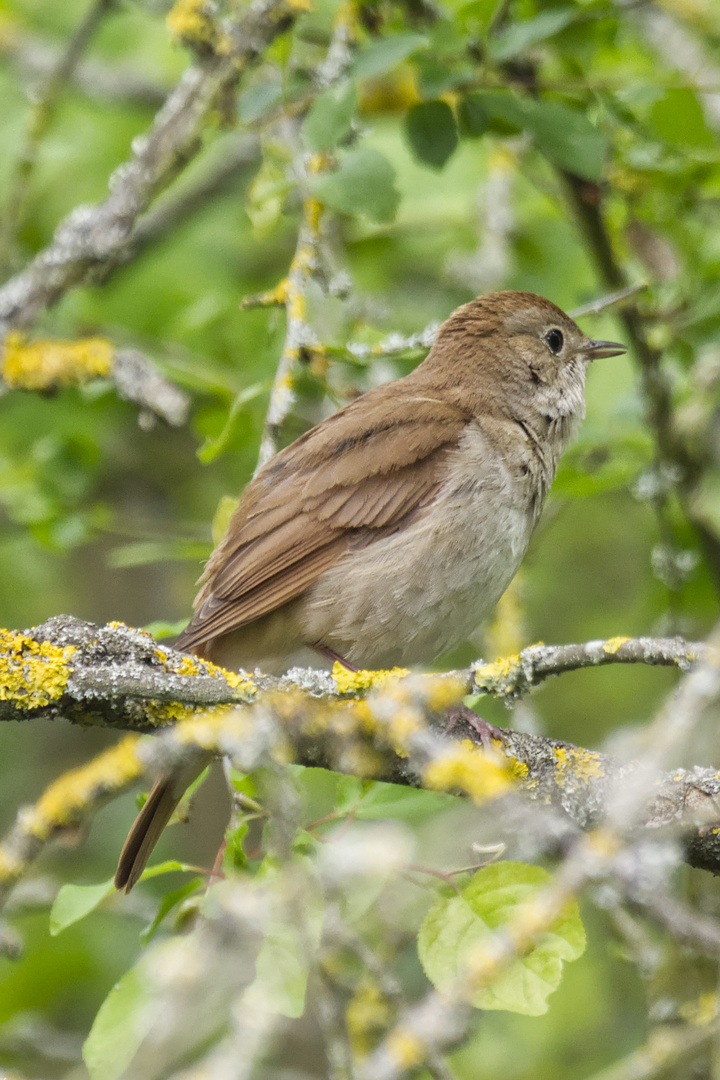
<point>413,595</point>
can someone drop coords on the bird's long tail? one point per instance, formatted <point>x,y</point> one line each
<point>166,793</point>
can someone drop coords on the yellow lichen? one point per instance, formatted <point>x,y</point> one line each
<point>612,644</point>
<point>470,769</point>
<point>297,310</point>
<point>191,21</point>
<point>443,691</point>
<point>63,802</point>
<point>164,713</point>
<point>354,682</point>
<point>502,668</point>
<point>404,723</point>
<point>238,681</point>
<point>405,1048</point>
<point>367,1013</point>
<point>32,673</point>
<point>41,365</point>
<point>577,764</point>
<point>191,665</point>
<point>205,729</point>
<point>516,769</point>
<point>10,866</point>
<point>702,1011</point>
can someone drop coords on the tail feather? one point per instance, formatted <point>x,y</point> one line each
<point>148,826</point>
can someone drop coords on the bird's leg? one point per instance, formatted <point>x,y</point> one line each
<point>330,654</point>
<point>487,731</point>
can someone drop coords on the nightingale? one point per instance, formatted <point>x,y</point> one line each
<point>386,534</point>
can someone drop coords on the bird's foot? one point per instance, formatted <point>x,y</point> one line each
<point>487,731</point>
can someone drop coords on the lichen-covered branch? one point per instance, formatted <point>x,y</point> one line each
<point>66,667</point>
<point>93,237</point>
<point>68,801</point>
<point>399,731</point>
<point>614,851</point>
<point>292,291</point>
<point>49,364</point>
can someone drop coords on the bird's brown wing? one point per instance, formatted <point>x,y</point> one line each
<point>362,471</point>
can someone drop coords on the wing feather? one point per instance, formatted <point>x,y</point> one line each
<point>362,471</point>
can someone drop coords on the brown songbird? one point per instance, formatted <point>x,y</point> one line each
<point>387,533</point>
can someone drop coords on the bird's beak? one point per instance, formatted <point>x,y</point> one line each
<point>598,350</point>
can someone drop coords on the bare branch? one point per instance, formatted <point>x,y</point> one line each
<point>596,306</point>
<point>36,58</point>
<point>137,379</point>
<point>96,236</point>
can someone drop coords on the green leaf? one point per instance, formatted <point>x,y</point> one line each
<point>381,800</point>
<point>678,118</point>
<point>74,902</point>
<point>476,17</point>
<point>521,35</point>
<point>145,552</point>
<point>506,116</point>
<point>215,445</point>
<point>363,184</point>
<point>170,866</point>
<point>268,193</point>
<point>348,793</point>
<point>456,925</point>
<point>567,138</point>
<point>257,100</point>
<point>124,1019</point>
<point>328,121</point>
<point>432,132</point>
<point>382,56</point>
<point>161,628</point>
<point>563,134</point>
<point>473,117</point>
<point>168,902</point>
<point>589,469</point>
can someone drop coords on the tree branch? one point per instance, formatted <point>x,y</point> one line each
<point>399,731</point>
<point>95,236</point>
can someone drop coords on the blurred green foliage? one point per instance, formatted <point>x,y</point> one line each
<point>454,130</point>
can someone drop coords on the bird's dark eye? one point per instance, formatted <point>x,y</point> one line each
<point>554,340</point>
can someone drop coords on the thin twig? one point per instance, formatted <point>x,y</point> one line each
<point>292,292</point>
<point>587,202</point>
<point>305,265</point>
<point>596,306</point>
<point>36,58</point>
